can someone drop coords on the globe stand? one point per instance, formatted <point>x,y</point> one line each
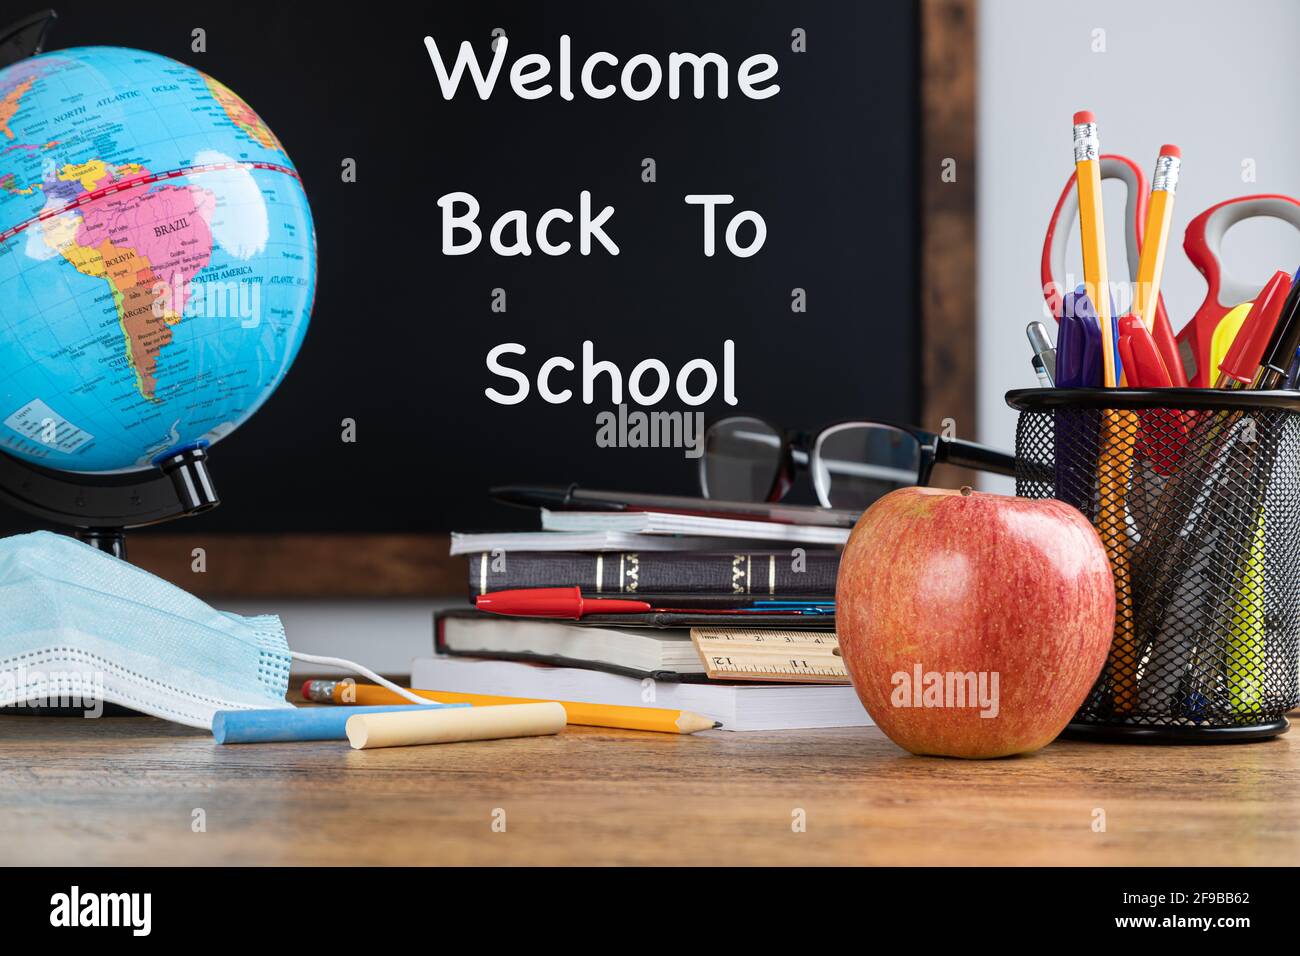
<point>25,37</point>
<point>101,508</point>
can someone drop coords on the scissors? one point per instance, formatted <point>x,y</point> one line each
<point>1188,356</point>
<point>1058,236</point>
<point>1201,242</point>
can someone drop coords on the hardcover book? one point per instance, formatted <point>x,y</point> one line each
<point>757,574</point>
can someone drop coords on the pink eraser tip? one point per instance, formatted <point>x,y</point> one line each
<point>1084,116</point>
<point>306,688</point>
<point>1169,149</point>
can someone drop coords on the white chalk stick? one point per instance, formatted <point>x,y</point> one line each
<point>411,728</point>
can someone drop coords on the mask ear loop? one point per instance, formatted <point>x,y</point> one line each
<point>366,672</point>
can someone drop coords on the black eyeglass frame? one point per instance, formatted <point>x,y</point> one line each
<point>798,447</point>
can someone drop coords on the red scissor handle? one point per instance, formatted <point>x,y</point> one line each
<point>1202,242</point>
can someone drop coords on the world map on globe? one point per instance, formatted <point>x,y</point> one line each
<point>157,259</point>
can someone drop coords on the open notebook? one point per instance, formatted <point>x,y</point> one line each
<point>669,523</point>
<point>736,706</point>
<point>641,650</point>
<point>463,542</point>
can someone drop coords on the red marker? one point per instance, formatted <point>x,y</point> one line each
<point>1143,366</point>
<point>1242,361</point>
<point>554,602</point>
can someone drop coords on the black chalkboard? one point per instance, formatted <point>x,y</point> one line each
<point>400,332</point>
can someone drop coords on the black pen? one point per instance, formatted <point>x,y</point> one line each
<point>1282,344</point>
<point>573,498</point>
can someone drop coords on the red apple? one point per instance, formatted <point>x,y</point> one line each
<point>973,625</point>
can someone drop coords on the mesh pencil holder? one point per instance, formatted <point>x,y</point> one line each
<point>1195,494</point>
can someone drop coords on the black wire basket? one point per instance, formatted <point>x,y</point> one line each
<point>1195,494</point>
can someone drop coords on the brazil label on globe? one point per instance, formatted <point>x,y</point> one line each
<point>157,259</point>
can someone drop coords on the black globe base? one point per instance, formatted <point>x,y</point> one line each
<point>100,509</point>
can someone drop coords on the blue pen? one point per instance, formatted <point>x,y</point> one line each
<point>803,607</point>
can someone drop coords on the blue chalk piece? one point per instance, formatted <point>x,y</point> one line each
<point>301,723</point>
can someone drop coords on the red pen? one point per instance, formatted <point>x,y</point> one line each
<point>554,602</point>
<point>1238,368</point>
<point>568,603</point>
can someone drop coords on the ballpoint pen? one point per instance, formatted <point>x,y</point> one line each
<point>1293,376</point>
<point>795,607</point>
<point>1282,345</point>
<point>1040,372</point>
<point>570,604</point>
<point>1044,353</point>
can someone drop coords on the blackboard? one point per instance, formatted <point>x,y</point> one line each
<point>400,332</point>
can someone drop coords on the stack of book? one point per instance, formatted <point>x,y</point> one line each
<point>702,579</point>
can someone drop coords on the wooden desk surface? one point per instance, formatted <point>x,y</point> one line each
<point>124,791</point>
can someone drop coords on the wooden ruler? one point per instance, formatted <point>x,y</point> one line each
<point>752,654</point>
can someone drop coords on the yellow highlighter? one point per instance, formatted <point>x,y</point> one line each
<point>1118,429</point>
<point>1246,636</point>
<point>1225,333</point>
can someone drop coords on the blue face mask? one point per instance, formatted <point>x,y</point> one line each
<point>78,624</point>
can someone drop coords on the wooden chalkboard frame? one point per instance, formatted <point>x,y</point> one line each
<point>386,565</point>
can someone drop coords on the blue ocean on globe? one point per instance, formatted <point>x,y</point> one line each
<point>157,259</point>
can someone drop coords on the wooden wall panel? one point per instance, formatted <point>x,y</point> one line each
<point>303,565</point>
<point>947,209</point>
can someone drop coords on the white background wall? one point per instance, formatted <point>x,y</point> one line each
<point>1220,78</point>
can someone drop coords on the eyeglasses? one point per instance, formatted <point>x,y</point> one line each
<point>852,463</point>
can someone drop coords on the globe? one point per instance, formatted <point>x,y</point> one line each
<point>157,260</point>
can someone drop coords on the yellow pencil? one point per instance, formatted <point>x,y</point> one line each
<point>1092,231</point>
<point>658,719</point>
<point>1118,429</point>
<point>1160,209</point>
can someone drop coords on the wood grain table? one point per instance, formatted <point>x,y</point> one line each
<point>134,790</point>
